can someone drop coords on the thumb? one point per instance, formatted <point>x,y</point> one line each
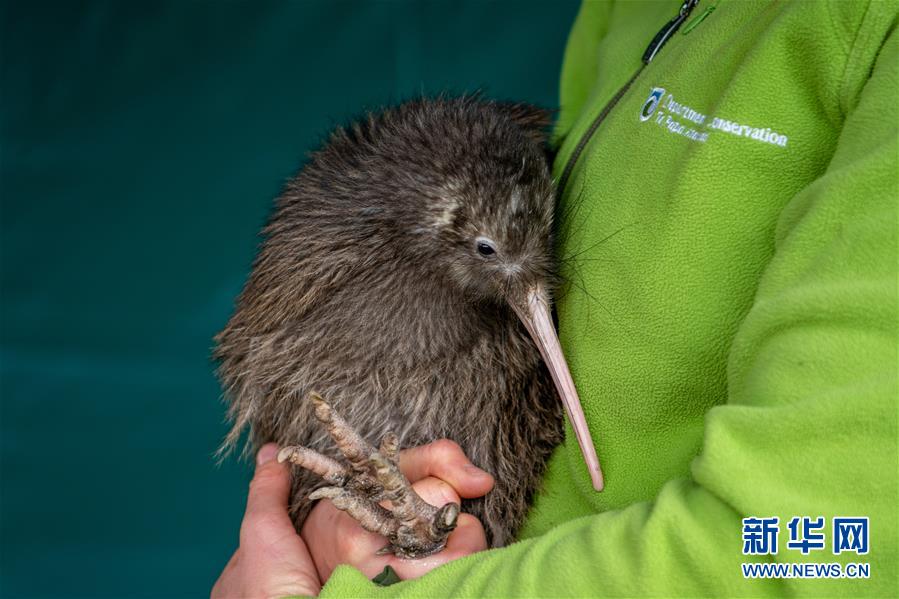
<point>266,518</point>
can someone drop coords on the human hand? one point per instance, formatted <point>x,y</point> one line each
<point>272,560</point>
<point>440,473</point>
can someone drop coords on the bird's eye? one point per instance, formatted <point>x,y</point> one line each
<point>486,248</point>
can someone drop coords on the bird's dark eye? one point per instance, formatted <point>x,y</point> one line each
<point>485,249</point>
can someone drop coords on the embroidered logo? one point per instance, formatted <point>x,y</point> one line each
<point>683,120</point>
<point>652,102</point>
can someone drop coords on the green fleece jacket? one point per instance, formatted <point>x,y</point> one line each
<point>729,237</point>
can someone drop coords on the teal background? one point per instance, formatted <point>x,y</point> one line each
<point>141,145</point>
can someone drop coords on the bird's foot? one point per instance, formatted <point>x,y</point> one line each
<point>413,527</point>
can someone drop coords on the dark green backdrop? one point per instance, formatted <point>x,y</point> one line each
<point>141,145</point>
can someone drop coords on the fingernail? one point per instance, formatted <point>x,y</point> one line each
<point>266,454</point>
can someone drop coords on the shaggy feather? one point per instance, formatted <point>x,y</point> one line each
<point>368,289</point>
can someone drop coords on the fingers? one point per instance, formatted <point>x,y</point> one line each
<point>335,538</point>
<point>444,459</point>
<point>266,517</point>
<point>435,491</point>
<point>468,538</point>
<point>338,539</point>
<point>221,589</point>
<point>272,560</point>
<point>441,474</point>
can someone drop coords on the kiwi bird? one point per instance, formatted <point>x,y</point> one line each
<point>401,294</point>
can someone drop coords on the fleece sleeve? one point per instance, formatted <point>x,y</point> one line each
<point>809,428</point>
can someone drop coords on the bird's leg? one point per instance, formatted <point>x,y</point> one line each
<point>422,529</point>
<point>330,470</point>
<point>414,527</point>
<point>371,516</point>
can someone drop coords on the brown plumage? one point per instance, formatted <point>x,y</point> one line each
<point>388,281</point>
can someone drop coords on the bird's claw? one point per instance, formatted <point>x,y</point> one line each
<point>414,527</point>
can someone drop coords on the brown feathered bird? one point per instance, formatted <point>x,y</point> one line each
<point>405,276</point>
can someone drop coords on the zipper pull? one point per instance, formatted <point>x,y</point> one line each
<point>668,30</point>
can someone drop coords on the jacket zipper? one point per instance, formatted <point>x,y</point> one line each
<point>659,40</point>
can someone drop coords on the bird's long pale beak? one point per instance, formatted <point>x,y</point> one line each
<point>536,318</point>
